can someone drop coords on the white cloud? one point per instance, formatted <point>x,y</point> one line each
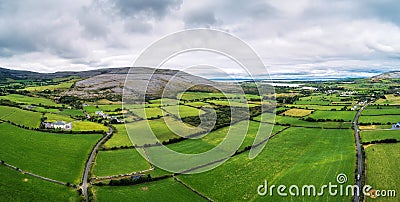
<point>314,37</point>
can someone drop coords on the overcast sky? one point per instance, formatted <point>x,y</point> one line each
<point>294,38</point>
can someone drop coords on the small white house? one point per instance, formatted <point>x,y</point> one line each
<point>58,125</point>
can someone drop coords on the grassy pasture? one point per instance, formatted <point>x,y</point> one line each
<point>373,127</point>
<point>297,112</point>
<point>109,108</point>
<point>163,190</point>
<point>91,109</point>
<point>296,156</point>
<point>72,112</point>
<point>318,100</point>
<point>45,110</point>
<point>390,100</point>
<point>148,112</point>
<point>61,86</point>
<point>16,186</point>
<point>88,126</point>
<point>160,128</point>
<point>215,137</point>
<point>20,117</point>
<point>23,99</point>
<point>119,138</point>
<point>232,103</point>
<point>383,168</point>
<point>58,117</point>
<point>380,119</point>
<point>386,111</point>
<point>293,121</point>
<point>345,115</point>
<point>183,111</point>
<point>371,135</point>
<point>56,156</point>
<point>316,107</point>
<point>119,162</point>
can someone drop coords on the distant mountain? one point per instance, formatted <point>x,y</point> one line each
<point>21,74</point>
<point>110,82</point>
<point>387,75</point>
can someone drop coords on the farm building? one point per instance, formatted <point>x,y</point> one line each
<point>58,125</point>
<point>397,125</point>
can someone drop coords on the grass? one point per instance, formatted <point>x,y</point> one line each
<point>163,190</point>
<point>20,117</point>
<point>110,108</point>
<point>373,127</point>
<point>383,168</point>
<point>16,186</point>
<point>88,126</point>
<point>138,130</point>
<point>72,112</point>
<point>297,112</point>
<point>183,111</point>
<point>119,138</point>
<point>296,156</point>
<point>318,100</point>
<point>58,117</point>
<point>315,107</point>
<point>385,111</point>
<point>23,99</point>
<point>61,86</point>
<point>148,112</point>
<point>293,121</point>
<point>116,162</point>
<point>232,103</point>
<point>368,136</point>
<point>390,100</point>
<point>45,110</point>
<point>392,119</point>
<point>91,109</point>
<point>57,156</point>
<point>334,115</point>
<point>208,142</point>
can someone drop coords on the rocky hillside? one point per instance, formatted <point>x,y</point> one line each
<point>388,75</point>
<point>111,83</point>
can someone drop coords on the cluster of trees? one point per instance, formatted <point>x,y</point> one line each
<point>134,180</point>
<point>287,99</point>
<point>309,119</point>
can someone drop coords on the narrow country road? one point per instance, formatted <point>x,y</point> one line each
<point>359,154</point>
<point>89,163</point>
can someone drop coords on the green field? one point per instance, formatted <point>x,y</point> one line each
<point>347,116</point>
<point>319,100</point>
<point>61,86</point>
<point>72,112</point>
<point>315,107</point>
<point>124,161</point>
<point>20,117</point>
<point>232,103</point>
<point>119,138</point>
<point>15,186</point>
<point>384,119</point>
<point>183,111</point>
<point>45,110</point>
<point>50,117</point>
<point>160,128</point>
<point>374,135</point>
<point>57,156</point>
<point>390,100</point>
<point>163,190</point>
<point>293,121</point>
<point>88,126</point>
<point>110,108</point>
<point>147,112</point>
<point>296,156</point>
<point>297,112</point>
<point>385,111</point>
<point>383,168</point>
<point>29,100</point>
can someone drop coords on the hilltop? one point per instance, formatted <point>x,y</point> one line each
<point>387,75</point>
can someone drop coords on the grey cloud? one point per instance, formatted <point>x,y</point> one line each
<point>200,18</point>
<point>149,8</point>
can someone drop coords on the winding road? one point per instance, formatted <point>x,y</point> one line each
<point>89,163</point>
<point>359,154</point>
